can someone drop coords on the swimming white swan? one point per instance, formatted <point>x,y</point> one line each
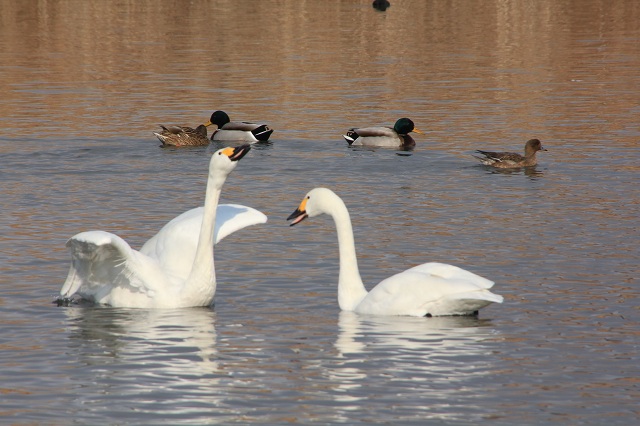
<point>430,289</point>
<point>175,268</point>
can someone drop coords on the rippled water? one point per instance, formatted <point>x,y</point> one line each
<point>561,240</point>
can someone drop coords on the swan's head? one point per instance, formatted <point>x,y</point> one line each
<point>225,160</point>
<point>316,202</point>
<point>219,118</point>
<point>404,126</point>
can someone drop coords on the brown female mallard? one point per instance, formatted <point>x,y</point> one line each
<point>183,136</point>
<point>509,160</point>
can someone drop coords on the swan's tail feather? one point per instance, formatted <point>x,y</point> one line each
<point>466,303</point>
<point>479,295</point>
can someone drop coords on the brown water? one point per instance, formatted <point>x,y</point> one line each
<point>83,86</point>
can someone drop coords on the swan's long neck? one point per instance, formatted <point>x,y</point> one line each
<point>200,287</point>
<point>351,290</point>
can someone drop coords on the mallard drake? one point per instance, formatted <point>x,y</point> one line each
<point>183,136</point>
<point>238,131</point>
<point>381,136</point>
<point>508,160</point>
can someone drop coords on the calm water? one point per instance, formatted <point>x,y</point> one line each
<point>85,83</point>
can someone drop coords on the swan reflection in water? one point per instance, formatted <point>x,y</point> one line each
<point>412,355</point>
<point>133,352</point>
<point>435,336</point>
<point>158,364</point>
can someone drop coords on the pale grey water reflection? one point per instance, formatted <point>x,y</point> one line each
<point>561,240</point>
<point>173,354</point>
<point>183,366</point>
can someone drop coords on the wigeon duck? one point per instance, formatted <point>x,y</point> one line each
<point>508,160</point>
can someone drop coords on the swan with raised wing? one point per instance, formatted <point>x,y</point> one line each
<point>175,268</point>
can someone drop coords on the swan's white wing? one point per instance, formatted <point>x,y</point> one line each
<point>174,246</point>
<point>104,266</point>
<point>451,272</point>
<point>229,219</point>
<point>431,288</point>
<point>234,217</point>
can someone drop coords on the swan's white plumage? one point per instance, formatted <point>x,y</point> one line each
<point>175,245</point>
<point>105,269</point>
<point>421,290</point>
<point>429,289</point>
<point>175,267</point>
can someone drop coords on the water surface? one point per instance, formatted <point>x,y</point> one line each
<point>561,240</point>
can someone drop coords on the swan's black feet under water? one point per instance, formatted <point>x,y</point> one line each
<point>474,314</point>
<point>65,301</point>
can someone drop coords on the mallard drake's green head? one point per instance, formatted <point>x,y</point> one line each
<point>405,126</point>
<point>219,118</point>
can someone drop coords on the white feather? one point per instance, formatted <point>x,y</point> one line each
<point>429,289</point>
<point>175,267</point>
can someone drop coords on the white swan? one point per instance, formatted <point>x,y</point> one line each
<point>430,289</point>
<point>175,268</point>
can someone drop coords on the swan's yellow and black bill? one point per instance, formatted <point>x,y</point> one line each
<point>237,153</point>
<point>300,213</point>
